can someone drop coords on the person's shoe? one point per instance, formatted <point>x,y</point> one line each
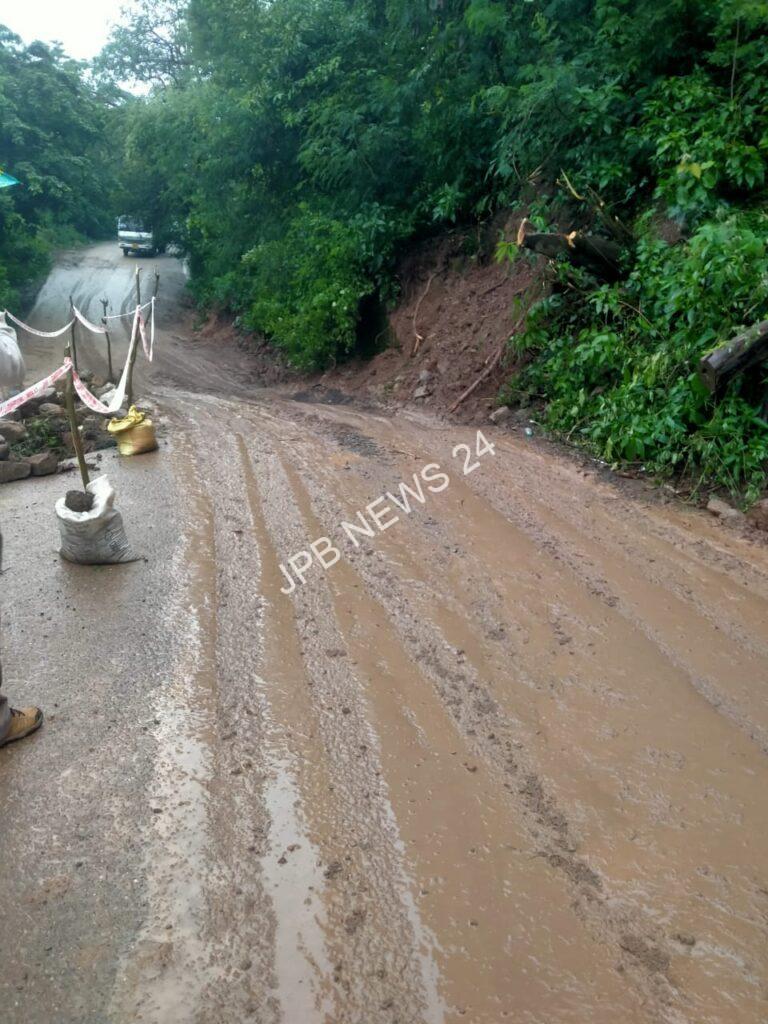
<point>23,722</point>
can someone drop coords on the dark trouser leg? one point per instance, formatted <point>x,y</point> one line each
<point>5,712</point>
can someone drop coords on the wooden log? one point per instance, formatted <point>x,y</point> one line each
<point>598,255</point>
<point>741,353</point>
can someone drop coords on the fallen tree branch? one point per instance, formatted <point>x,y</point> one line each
<point>614,224</point>
<point>739,354</point>
<point>598,255</point>
<point>486,372</point>
<point>417,337</point>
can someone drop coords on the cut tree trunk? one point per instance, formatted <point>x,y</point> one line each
<point>740,353</point>
<point>598,255</point>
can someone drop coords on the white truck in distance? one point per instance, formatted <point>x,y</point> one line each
<point>134,237</point>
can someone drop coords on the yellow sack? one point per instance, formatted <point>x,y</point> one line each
<point>135,433</point>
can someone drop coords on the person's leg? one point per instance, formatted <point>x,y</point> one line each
<point>5,711</point>
<point>15,724</point>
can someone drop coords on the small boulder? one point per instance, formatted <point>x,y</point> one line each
<point>43,464</point>
<point>501,414</point>
<point>52,409</point>
<point>757,515</point>
<point>422,392</point>
<point>721,509</point>
<point>10,471</point>
<point>11,431</point>
<point>33,405</point>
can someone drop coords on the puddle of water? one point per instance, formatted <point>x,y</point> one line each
<point>163,978</point>
<point>294,882</point>
<point>288,701</point>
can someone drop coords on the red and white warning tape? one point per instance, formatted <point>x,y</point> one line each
<point>32,392</point>
<point>34,330</point>
<point>87,323</point>
<point>149,347</point>
<point>131,312</point>
<point>86,396</point>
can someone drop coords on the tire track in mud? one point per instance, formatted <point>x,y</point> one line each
<point>488,893</point>
<point>369,923</point>
<point>565,696</point>
<point>711,957</point>
<point>162,977</point>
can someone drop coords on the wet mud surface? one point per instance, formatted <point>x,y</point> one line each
<point>503,760</point>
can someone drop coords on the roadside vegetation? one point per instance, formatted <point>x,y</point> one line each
<point>54,138</point>
<point>296,149</point>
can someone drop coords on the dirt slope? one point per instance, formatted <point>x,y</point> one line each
<point>455,312</point>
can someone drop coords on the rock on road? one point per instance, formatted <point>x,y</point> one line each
<point>504,761</point>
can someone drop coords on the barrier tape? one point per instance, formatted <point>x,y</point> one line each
<point>87,323</point>
<point>89,399</point>
<point>86,396</point>
<point>148,347</point>
<point>138,330</point>
<point>32,392</point>
<point>131,312</point>
<point>33,330</point>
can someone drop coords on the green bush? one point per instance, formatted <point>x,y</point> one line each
<point>618,370</point>
<point>304,290</point>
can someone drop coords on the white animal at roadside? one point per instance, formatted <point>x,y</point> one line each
<point>11,361</point>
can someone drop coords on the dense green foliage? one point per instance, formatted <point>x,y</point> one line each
<point>53,139</point>
<point>295,146</point>
<point>617,367</point>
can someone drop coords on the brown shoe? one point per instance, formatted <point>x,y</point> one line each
<point>23,722</point>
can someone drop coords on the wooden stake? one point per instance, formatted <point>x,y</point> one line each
<point>77,444</point>
<point>129,390</point>
<point>73,343</point>
<point>105,303</point>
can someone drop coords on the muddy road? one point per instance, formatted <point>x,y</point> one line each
<point>504,760</point>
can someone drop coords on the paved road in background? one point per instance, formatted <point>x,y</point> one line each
<point>503,761</point>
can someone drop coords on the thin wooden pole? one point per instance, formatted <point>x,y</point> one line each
<point>105,303</point>
<point>133,355</point>
<point>74,322</point>
<point>69,404</point>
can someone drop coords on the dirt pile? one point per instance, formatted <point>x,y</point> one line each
<point>456,314</point>
<point>452,325</point>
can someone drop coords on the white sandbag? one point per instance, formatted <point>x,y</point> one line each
<point>96,537</point>
<point>11,361</point>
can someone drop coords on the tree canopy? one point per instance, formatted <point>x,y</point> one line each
<point>295,148</point>
<point>53,138</point>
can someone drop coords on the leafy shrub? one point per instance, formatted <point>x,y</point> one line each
<point>306,289</point>
<point>619,371</point>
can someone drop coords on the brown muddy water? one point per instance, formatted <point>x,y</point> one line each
<point>503,760</point>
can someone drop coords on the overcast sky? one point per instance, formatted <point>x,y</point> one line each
<point>81,26</point>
